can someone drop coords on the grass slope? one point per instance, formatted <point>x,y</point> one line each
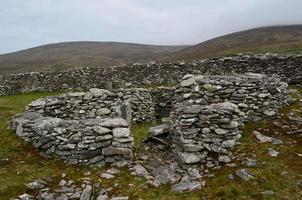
<point>24,164</point>
<point>60,56</point>
<point>280,39</point>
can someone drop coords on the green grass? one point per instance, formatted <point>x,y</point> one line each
<point>25,164</point>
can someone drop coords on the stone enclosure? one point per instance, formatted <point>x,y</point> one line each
<point>206,117</point>
<point>209,112</point>
<point>89,128</point>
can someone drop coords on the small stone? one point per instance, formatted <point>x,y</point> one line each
<point>87,174</point>
<point>38,103</point>
<point>113,171</point>
<point>269,113</point>
<point>62,183</point>
<point>206,130</point>
<point>272,152</point>
<point>121,132</point>
<point>101,130</point>
<point>228,143</point>
<point>76,195</point>
<point>35,185</point>
<point>139,170</point>
<point>102,197</point>
<point>268,193</point>
<point>120,198</point>
<point>224,158</point>
<point>114,122</point>
<point>26,197</point>
<point>103,111</point>
<point>190,158</point>
<point>194,173</point>
<point>251,162</point>
<point>87,192</point>
<point>264,139</point>
<point>107,176</point>
<point>221,131</point>
<point>190,81</point>
<point>186,185</point>
<point>159,130</point>
<point>244,174</point>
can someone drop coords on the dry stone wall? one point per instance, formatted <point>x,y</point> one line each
<point>93,142</point>
<point>162,97</point>
<point>209,112</point>
<point>289,68</point>
<point>134,105</point>
<point>90,128</point>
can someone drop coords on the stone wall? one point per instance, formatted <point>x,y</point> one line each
<point>90,128</point>
<point>209,111</point>
<point>289,68</point>
<point>162,97</point>
<point>134,105</point>
<point>93,142</point>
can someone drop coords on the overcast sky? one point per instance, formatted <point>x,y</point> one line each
<point>28,23</point>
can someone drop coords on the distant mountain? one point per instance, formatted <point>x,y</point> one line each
<point>274,38</point>
<point>60,56</point>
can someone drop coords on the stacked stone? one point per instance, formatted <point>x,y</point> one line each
<point>134,105</point>
<point>140,102</point>
<point>88,128</point>
<point>288,67</point>
<point>208,112</point>
<point>92,142</point>
<point>162,97</point>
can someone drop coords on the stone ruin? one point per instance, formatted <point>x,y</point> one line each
<point>207,114</point>
<point>90,128</point>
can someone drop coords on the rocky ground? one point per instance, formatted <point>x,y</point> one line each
<point>265,165</point>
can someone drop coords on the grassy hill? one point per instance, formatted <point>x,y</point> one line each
<point>60,56</point>
<point>281,39</point>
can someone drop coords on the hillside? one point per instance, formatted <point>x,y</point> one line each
<point>274,38</point>
<point>60,56</point>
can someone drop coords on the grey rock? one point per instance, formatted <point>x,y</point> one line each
<point>224,158</point>
<point>120,198</point>
<point>186,186</point>
<point>244,174</point>
<point>107,176</point>
<point>26,197</point>
<point>251,162</point>
<point>269,113</point>
<point>38,103</point>
<point>228,143</point>
<point>190,81</point>
<point>272,152</point>
<point>159,130</point>
<point>221,131</point>
<point>114,122</point>
<point>87,193</point>
<point>190,158</point>
<point>264,139</point>
<point>121,132</point>
<point>35,185</point>
<point>103,111</point>
<point>268,193</point>
<point>139,170</point>
<point>102,197</point>
<point>101,130</point>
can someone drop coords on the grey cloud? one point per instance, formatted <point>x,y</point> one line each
<point>34,22</point>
